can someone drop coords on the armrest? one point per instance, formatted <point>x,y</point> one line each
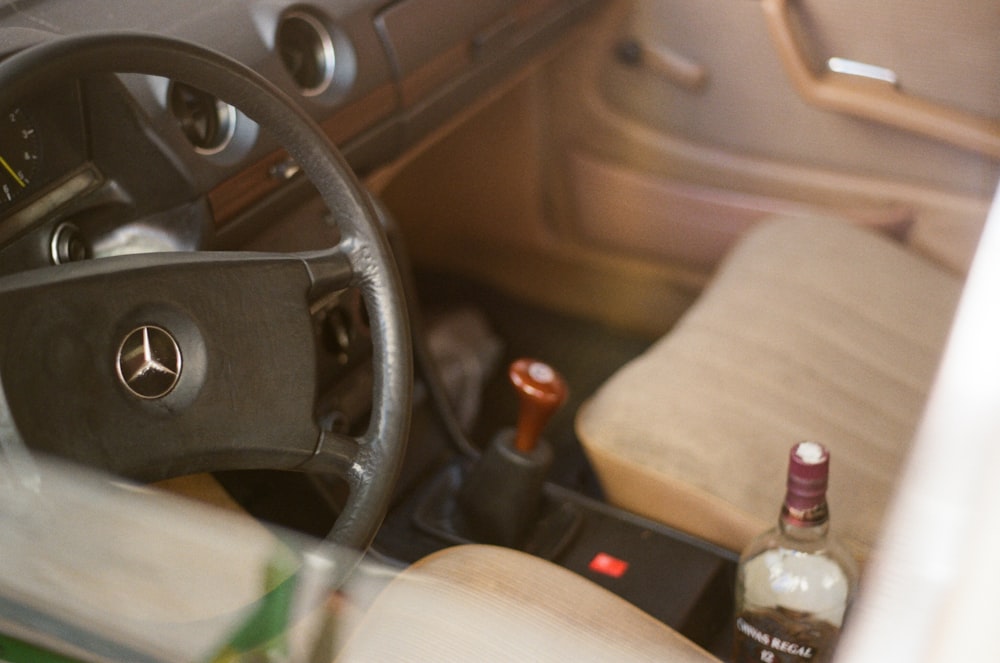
<point>877,101</point>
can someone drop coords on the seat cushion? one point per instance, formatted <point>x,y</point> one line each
<point>811,329</point>
<point>484,603</point>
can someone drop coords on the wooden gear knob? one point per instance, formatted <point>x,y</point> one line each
<point>541,391</point>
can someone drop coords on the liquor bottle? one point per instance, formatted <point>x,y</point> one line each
<point>795,582</point>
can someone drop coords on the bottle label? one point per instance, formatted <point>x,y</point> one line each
<point>783,636</point>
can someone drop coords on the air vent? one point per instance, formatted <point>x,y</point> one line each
<point>307,51</point>
<point>208,122</point>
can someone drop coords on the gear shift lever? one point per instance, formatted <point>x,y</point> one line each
<point>500,496</point>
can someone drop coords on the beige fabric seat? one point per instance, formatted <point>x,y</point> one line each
<point>483,603</point>
<point>810,329</point>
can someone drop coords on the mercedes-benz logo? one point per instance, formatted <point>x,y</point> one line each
<point>149,362</point>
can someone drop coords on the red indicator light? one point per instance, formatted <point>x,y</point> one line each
<point>605,564</point>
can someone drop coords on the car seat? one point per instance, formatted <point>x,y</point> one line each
<point>810,329</point>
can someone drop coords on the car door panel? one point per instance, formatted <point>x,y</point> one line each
<point>651,164</point>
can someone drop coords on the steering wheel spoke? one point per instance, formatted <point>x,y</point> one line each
<point>330,270</point>
<point>338,454</point>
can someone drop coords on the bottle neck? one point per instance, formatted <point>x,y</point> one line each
<point>812,524</point>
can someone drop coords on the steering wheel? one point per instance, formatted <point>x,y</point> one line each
<point>159,365</point>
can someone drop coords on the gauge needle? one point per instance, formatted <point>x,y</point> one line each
<point>6,166</point>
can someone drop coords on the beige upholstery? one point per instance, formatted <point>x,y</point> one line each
<point>482,603</point>
<point>810,329</point>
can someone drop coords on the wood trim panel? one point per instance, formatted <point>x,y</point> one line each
<point>251,185</point>
<point>452,62</point>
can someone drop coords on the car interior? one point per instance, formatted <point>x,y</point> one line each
<point>521,301</point>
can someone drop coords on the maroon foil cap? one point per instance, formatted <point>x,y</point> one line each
<point>808,470</point>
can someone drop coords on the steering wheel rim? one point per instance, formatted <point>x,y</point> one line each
<point>370,462</point>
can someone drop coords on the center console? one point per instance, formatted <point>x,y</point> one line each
<point>495,499</point>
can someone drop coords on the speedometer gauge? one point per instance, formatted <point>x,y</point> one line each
<point>20,154</point>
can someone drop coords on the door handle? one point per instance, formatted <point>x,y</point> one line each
<point>667,63</point>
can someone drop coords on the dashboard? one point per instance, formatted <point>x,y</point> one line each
<point>132,163</point>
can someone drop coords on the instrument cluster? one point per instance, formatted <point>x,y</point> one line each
<point>43,157</point>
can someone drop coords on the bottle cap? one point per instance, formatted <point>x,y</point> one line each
<point>808,471</point>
